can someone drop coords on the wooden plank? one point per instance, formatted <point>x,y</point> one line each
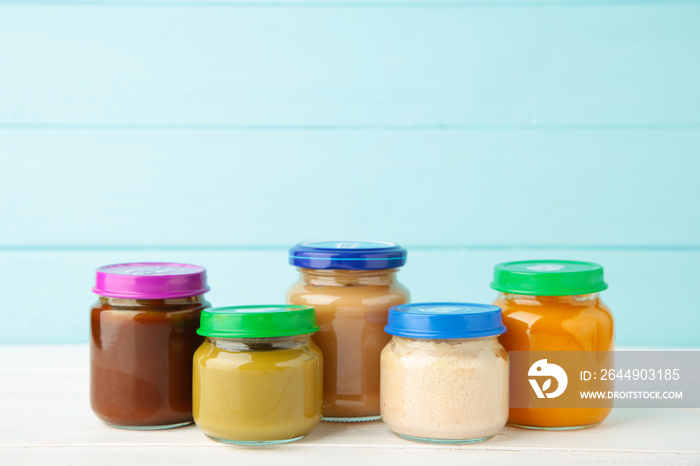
<point>243,188</point>
<point>541,63</point>
<point>173,454</point>
<point>51,295</point>
<point>61,429</point>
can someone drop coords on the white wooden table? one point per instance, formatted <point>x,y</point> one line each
<point>45,418</point>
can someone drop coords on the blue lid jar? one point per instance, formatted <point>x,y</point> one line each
<point>438,321</point>
<point>347,255</point>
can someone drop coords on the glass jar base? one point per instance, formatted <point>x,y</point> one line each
<point>377,417</point>
<point>254,443</point>
<point>552,428</point>
<point>167,426</point>
<point>441,441</point>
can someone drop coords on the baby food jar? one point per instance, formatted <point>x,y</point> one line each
<point>352,285</point>
<point>444,374</point>
<point>143,334</point>
<point>554,306</point>
<point>257,377</point>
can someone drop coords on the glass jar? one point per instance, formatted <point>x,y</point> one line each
<point>143,334</point>
<point>351,285</point>
<point>554,306</point>
<point>257,377</point>
<point>444,374</point>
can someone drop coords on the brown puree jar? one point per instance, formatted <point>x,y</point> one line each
<point>352,285</point>
<point>142,339</point>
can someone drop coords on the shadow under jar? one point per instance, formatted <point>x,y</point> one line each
<point>352,285</point>
<point>142,339</point>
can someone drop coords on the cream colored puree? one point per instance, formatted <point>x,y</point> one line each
<point>445,389</point>
<point>351,309</point>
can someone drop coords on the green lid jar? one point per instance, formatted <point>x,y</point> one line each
<point>550,306</point>
<point>257,377</point>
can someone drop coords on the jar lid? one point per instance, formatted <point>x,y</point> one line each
<point>150,280</point>
<point>548,278</point>
<point>257,321</point>
<point>441,321</point>
<point>347,255</point>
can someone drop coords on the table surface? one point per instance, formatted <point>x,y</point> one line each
<point>46,419</point>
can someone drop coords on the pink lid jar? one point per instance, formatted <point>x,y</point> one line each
<point>142,340</point>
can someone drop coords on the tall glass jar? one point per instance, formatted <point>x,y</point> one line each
<point>551,306</point>
<point>257,377</point>
<point>444,374</point>
<point>142,338</point>
<point>352,285</point>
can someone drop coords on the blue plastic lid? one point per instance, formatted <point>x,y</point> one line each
<point>348,255</point>
<point>441,321</point>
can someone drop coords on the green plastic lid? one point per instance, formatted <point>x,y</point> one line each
<point>548,278</point>
<point>257,321</point>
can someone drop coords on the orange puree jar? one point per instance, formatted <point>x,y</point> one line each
<point>553,306</point>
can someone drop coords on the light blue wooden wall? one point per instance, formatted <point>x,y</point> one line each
<point>222,132</point>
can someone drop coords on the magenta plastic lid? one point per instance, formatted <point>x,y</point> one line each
<point>151,280</point>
